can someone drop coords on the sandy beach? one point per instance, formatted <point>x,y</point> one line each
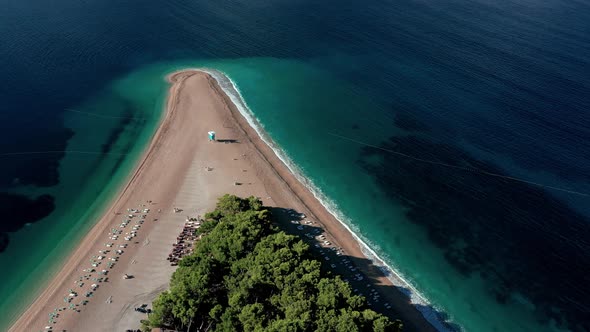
<point>182,169</point>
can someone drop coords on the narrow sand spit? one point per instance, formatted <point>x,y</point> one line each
<point>173,174</point>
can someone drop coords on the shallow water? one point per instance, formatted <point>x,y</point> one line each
<point>500,87</point>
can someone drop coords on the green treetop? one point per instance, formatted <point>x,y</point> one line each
<point>246,275</point>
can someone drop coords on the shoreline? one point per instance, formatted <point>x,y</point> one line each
<point>272,180</point>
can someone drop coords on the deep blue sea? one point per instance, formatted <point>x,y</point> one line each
<point>452,136</point>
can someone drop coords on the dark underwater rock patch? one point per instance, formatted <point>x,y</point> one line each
<point>38,169</point>
<point>519,237</point>
<point>119,129</point>
<point>3,241</point>
<point>19,210</point>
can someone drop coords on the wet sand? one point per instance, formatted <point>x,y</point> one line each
<point>173,173</point>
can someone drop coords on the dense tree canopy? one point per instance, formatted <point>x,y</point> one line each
<point>245,275</point>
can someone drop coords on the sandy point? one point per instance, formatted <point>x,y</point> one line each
<point>182,169</point>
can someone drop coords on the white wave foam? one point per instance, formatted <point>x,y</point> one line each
<point>416,298</point>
